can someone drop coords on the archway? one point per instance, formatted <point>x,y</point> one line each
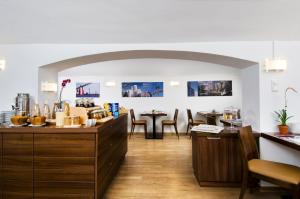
<point>50,72</point>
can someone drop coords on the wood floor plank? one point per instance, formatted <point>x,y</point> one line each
<point>162,169</point>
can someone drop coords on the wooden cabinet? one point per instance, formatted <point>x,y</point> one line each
<point>61,163</point>
<point>64,165</point>
<point>17,165</point>
<point>112,147</point>
<point>216,159</point>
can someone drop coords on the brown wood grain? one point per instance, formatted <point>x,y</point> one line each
<point>217,160</point>
<point>78,190</point>
<point>17,165</point>
<point>61,169</point>
<point>64,145</point>
<point>48,163</point>
<point>111,152</point>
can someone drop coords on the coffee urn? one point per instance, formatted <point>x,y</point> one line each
<point>22,105</point>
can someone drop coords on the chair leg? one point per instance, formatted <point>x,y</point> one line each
<point>132,130</point>
<point>145,129</point>
<point>162,130</point>
<point>244,185</point>
<point>175,125</point>
<point>187,129</point>
<point>296,194</point>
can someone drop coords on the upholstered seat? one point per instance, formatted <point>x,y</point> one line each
<point>254,169</point>
<point>275,170</point>
<point>168,122</point>
<point>197,122</point>
<point>140,122</point>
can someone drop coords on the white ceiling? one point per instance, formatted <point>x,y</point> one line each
<point>141,21</point>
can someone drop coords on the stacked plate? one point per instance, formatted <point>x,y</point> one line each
<point>1,117</point>
<point>5,116</point>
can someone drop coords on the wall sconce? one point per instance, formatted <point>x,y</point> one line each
<point>110,84</point>
<point>275,64</point>
<point>174,83</point>
<point>49,87</point>
<point>2,64</point>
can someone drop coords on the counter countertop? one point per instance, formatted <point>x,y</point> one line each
<point>286,140</point>
<point>227,132</point>
<point>53,128</point>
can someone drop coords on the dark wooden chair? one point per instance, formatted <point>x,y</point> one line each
<point>191,121</point>
<point>284,175</point>
<point>211,120</point>
<point>171,123</point>
<point>135,122</point>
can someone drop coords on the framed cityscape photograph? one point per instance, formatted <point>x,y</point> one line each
<point>87,89</point>
<point>142,89</point>
<point>209,88</point>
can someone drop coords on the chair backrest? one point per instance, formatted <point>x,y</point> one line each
<point>190,116</point>
<point>248,145</point>
<point>211,120</point>
<point>176,115</point>
<point>132,115</point>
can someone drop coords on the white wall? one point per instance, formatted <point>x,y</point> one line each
<point>157,70</point>
<point>250,97</point>
<point>23,62</point>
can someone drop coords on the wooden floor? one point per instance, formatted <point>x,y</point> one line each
<point>163,169</point>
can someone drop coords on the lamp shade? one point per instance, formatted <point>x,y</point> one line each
<point>110,83</point>
<point>2,64</point>
<point>174,83</point>
<point>275,64</point>
<point>48,87</point>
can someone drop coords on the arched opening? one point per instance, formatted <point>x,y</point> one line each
<point>250,102</point>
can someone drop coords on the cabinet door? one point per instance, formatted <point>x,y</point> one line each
<point>218,160</point>
<point>64,166</point>
<point>17,166</point>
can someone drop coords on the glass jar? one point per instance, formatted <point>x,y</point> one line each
<point>47,113</point>
<point>36,110</point>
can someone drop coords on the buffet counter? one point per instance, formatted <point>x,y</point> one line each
<point>52,162</point>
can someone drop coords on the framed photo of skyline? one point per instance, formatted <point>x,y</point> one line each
<point>87,89</point>
<point>209,88</point>
<point>142,89</point>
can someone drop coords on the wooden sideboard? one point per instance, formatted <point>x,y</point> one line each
<point>50,162</point>
<point>216,158</point>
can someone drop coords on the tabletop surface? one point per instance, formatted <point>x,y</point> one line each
<point>205,113</point>
<point>291,140</point>
<point>156,113</point>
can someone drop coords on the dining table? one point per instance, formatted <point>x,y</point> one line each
<point>154,114</point>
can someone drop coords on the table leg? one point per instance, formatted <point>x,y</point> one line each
<point>154,125</point>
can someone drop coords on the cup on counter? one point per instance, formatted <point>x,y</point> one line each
<point>90,122</point>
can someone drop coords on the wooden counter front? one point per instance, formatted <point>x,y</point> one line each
<point>216,158</point>
<point>50,162</point>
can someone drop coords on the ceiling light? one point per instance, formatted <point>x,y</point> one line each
<point>2,64</point>
<point>275,64</point>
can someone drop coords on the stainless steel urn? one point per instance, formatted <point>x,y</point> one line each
<point>22,105</point>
